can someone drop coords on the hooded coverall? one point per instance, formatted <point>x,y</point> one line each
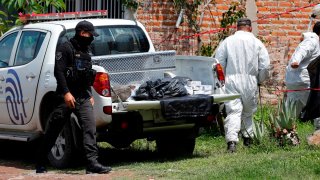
<point>298,78</point>
<point>246,64</point>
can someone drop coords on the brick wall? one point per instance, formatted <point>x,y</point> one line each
<point>281,33</point>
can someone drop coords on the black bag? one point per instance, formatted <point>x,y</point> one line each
<point>159,89</point>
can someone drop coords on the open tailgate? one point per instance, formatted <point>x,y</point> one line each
<point>148,105</point>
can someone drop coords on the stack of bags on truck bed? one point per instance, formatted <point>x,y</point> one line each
<point>160,89</point>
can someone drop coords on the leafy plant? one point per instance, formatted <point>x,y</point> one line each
<point>5,23</point>
<point>259,130</point>
<point>33,6</point>
<point>9,19</point>
<point>206,50</point>
<point>191,11</point>
<point>131,4</point>
<point>229,18</point>
<point>283,123</point>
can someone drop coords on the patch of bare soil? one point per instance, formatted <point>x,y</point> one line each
<point>8,172</point>
<point>17,162</point>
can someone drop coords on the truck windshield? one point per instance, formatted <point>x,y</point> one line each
<point>116,40</point>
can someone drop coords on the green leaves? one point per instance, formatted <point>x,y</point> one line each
<point>33,6</point>
<point>232,15</point>
<point>4,22</point>
<point>285,118</point>
<point>258,131</point>
<point>27,7</point>
<point>283,123</point>
<point>21,3</point>
<point>131,4</point>
<point>206,50</point>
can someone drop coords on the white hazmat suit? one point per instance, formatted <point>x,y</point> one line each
<point>246,64</point>
<point>298,78</point>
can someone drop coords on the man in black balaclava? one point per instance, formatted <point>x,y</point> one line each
<point>75,76</point>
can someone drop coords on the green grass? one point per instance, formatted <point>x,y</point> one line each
<point>211,161</point>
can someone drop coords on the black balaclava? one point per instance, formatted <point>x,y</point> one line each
<point>84,42</point>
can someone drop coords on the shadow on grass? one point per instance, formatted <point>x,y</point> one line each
<point>119,157</point>
<point>23,156</point>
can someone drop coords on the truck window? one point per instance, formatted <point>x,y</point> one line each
<point>116,40</point>
<point>6,45</point>
<point>29,46</point>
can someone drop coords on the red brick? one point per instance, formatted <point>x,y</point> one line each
<point>294,33</point>
<point>271,4</point>
<point>285,4</point>
<point>279,33</point>
<point>263,9</point>
<point>260,3</point>
<point>282,33</point>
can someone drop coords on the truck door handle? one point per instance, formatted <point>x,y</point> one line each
<point>30,76</point>
<point>2,78</point>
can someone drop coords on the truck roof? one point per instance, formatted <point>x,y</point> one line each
<point>70,24</point>
<point>96,22</point>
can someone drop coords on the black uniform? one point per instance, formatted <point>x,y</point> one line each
<point>74,74</point>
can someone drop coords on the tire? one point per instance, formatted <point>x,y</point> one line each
<point>171,147</point>
<point>62,153</point>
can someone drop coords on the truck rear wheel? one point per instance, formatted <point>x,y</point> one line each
<point>64,151</point>
<point>175,146</point>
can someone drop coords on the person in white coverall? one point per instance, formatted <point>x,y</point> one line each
<point>297,76</point>
<point>246,65</point>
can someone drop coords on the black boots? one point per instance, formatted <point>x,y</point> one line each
<point>92,169</point>
<point>231,147</point>
<point>97,168</point>
<point>232,144</point>
<point>41,169</point>
<point>247,141</point>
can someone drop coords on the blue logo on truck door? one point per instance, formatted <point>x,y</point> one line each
<point>14,98</point>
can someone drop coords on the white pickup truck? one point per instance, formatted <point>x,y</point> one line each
<point>123,54</point>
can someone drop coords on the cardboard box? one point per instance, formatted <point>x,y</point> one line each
<point>202,92</point>
<point>194,83</point>
<point>206,87</point>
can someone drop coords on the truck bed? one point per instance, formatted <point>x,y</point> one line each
<point>133,69</point>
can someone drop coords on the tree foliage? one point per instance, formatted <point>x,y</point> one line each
<point>33,6</point>
<point>9,17</point>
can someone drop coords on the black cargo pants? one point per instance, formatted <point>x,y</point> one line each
<point>60,115</point>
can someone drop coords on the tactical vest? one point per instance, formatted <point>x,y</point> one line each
<point>80,72</point>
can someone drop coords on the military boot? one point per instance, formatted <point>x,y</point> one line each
<point>41,169</point>
<point>97,168</point>
<point>247,141</point>
<point>232,147</point>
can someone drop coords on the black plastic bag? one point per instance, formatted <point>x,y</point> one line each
<point>161,88</point>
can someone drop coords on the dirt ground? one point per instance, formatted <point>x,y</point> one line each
<point>17,162</point>
<point>14,172</point>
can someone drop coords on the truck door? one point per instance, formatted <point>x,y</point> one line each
<point>22,76</point>
<point>6,51</point>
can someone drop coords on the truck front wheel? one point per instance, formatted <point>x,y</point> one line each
<point>171,147</point>
<point>63,153</point>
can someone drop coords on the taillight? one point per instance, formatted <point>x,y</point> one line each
<point>124,125</point>
<point>107,110</point>
<point>210,118</point>
<point>102,84</point>
<point>220,73</point>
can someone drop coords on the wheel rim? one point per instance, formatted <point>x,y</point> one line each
<point>59,148</point>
